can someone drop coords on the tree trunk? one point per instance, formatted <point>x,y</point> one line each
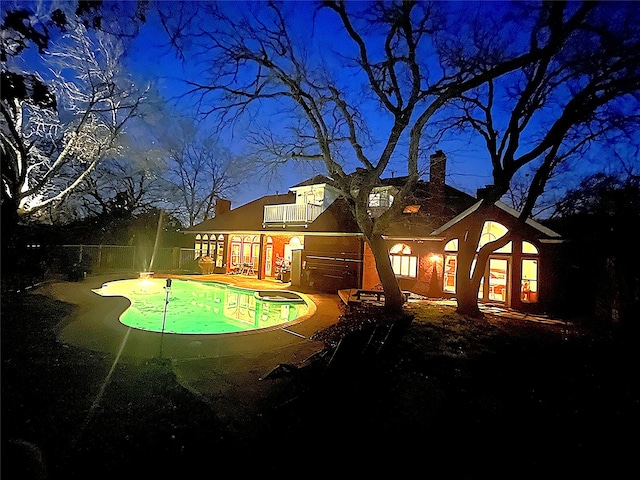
<point>393,299</point>
<point>469,274</point>
<point>467,285</point>
<point>468,302</point>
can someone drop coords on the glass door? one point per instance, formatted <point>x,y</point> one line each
<point>498,279</point>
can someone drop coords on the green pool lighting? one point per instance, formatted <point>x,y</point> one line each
<point>190,307</point>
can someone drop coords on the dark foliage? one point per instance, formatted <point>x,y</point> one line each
<point>602,261</point>
<point>462,398</point>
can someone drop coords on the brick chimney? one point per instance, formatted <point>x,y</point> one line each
<point>222,206</point>
<point>437,171</point>
<point>485,193</point>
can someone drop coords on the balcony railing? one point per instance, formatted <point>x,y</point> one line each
<point>291,214</point>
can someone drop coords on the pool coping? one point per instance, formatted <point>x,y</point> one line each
<point>288,296</point>
<point>94,325</point>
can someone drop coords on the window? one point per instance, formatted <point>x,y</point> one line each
<point>528,247</point>
<point>451,246</point>
<point>311,198</point>
<point>492,231</point>
<point>411,209</point>
<point>220,251</point>
<point>529,282</point>
<point>236,244</point>
<point>380,199</point>
<point>450,266</point>
<point>295,243</point>
<point>404,264</point>
<point>198,246</point>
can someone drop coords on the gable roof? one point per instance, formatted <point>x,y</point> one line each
<point>503,207</point>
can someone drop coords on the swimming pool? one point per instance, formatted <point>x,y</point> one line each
<point>202,307</point>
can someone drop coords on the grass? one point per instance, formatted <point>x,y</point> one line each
<point>465,398</point>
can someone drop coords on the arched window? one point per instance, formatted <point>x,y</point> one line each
<point>268,257</point>
<point>528,247</point>
<point>219,250</point>
<point>492,231</point>
<point>295,243</point>
<point>451,246</point>
<point>255,251</point>
<point>403,262</point>
<point>197,246</point>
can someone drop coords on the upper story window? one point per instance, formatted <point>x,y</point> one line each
<point>311,194</point>
<point>380,199</point>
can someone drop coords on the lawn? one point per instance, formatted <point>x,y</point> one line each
<point>457,397</point>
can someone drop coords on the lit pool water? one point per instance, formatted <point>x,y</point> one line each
<point>202,307</point>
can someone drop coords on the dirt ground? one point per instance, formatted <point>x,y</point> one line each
<point>489,398</point>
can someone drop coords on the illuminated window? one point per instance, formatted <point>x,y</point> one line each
<point>400,249</point>
<point>205,244</point>
<point>255,251</point>
<point>451,246</point>
<point>268,264</point>
<point>236,245</point>
<point>219,251</point>
<point>295,243</point>
<point>450,267</point>
<point>404,264</point>
<point>380,199</point>
<point>529,283</point>
<point>198,246</point>
<point>311,198</point>
<point>411,209</point>
<point>492,231</point>
<point>529,248</point>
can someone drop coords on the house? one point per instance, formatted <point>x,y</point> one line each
<point>309,237</point>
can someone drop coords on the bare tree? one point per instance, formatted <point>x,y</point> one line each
<point>50,148</point>
<point>394,73</point>
<point>201,172</point>
<point>553,111</point>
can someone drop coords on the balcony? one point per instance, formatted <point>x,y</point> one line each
<point>290,214</point>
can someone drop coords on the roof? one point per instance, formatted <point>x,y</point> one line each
<point>338,218</point>
<point>317,180</point>
<point>247,217</point>
<point>429,216</point>
<point>502,207</point>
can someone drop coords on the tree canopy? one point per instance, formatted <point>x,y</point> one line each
<point>371,83</point>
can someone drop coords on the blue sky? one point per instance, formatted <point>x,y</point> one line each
<point>152,60</point>
<point>468,166</point>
